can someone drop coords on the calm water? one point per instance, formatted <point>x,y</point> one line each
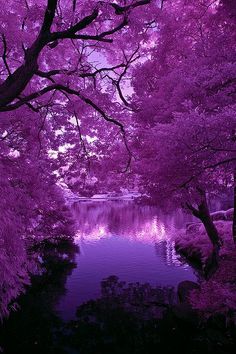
<point>120,238</point>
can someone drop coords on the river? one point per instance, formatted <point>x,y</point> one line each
<point>135,245</point>
<point>133,242</point>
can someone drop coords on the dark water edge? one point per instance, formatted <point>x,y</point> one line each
<point>33,327</point>
<point>127,318</point>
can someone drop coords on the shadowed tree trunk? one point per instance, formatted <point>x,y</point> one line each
<point>202,212</point>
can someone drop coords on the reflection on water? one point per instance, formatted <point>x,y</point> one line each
<point>136,223</point>
<point>132,242</point>
<point>33,328</point>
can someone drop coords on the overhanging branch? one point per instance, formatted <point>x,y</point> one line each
<point>15,83</point>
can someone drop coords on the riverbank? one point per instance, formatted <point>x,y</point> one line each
<point>218,294</point>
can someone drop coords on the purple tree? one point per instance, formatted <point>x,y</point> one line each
<point>186,107</point>
<point>63,68</point>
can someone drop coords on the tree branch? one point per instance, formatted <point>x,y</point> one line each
<point>219,163</point>
<point>15,84</point>
<point>85,22</point>
<point>48,17</point>
<point>101,70</point>
<point>67,90</point>
<point>194,210</point>
<point>62,88</point>
<point>87,37</point>
<point>71,32</point>
<point>82,140</point>
<point>4,56</point>
<point>12,87</point>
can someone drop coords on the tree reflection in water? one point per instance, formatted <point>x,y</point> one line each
<point>34,327</point>
<point>135,223</point>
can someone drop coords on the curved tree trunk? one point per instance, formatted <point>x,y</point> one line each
<point>212,262</point>
<point>14,85</point>
<point>202,212</point>
<point>205,217</point>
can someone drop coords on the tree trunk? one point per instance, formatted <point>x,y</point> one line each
<point>210,228</point>
<point>212,262</point>
<point>203,213</point>
<point>234,215</point>
<point>15,84</point>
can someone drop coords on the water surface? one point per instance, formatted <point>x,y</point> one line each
<point>132,242</point>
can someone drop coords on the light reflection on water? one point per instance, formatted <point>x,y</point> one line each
<point>121,238</point>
